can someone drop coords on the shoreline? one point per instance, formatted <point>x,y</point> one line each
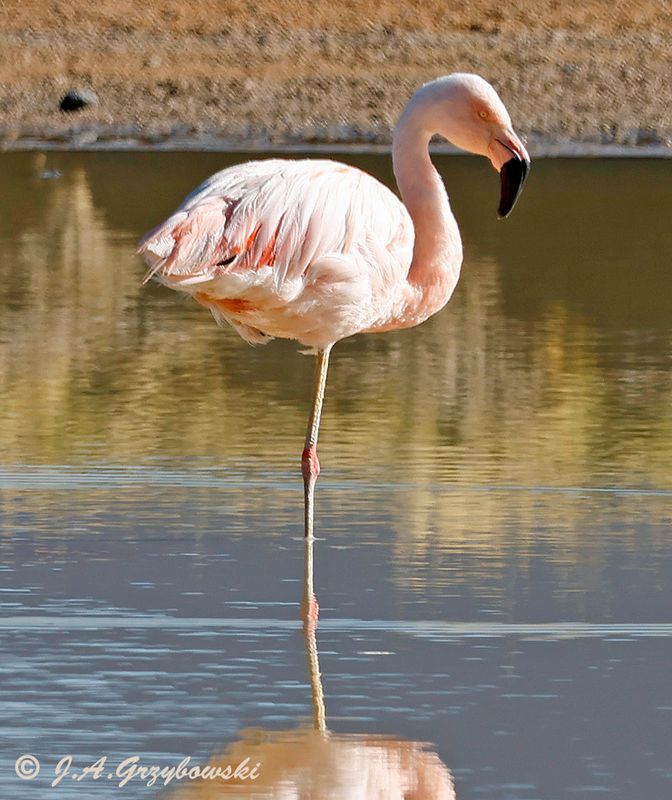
<point>223,144</point>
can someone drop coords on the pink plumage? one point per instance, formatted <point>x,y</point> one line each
<point>307,250</point>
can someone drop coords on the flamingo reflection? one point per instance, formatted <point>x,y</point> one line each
<point>317,764</point>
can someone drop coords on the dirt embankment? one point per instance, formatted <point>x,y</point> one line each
<point>322,71</point>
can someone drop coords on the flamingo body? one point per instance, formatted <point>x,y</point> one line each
<point>312,250</point>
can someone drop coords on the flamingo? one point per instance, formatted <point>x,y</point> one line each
<point>316,251</point>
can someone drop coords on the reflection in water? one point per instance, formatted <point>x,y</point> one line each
<point>316,764</point>
<point>306,765</point>
<point>310,611</point>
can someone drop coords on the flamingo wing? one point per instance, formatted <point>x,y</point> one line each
<point>283,248</point>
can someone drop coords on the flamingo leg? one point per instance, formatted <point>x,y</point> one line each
<point>310,465</point>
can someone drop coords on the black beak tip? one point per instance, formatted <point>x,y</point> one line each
<point>512,177</point>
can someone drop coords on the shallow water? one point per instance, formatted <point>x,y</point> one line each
<point>494,562</point>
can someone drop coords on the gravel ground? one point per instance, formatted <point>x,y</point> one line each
<point>325,72</point>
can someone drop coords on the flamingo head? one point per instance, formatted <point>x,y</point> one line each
<point>466,110</point>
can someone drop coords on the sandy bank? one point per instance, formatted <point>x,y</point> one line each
<point>224,73</point>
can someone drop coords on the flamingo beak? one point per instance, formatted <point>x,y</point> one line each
<point>512,173</point>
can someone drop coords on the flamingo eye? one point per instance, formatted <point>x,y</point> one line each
<point>483,114</point>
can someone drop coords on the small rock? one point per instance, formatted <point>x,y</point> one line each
<point>77,99</point>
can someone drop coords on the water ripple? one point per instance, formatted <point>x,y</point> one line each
<point>421,628</point>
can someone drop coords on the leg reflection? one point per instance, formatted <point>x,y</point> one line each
<point>309,612</point>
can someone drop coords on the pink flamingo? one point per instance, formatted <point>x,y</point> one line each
<point>315,250</point>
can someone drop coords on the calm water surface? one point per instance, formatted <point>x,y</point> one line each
<point>494,567</point>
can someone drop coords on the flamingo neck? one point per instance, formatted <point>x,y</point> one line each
<point>437,251</point>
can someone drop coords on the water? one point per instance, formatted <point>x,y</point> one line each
<point>494,562</point>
